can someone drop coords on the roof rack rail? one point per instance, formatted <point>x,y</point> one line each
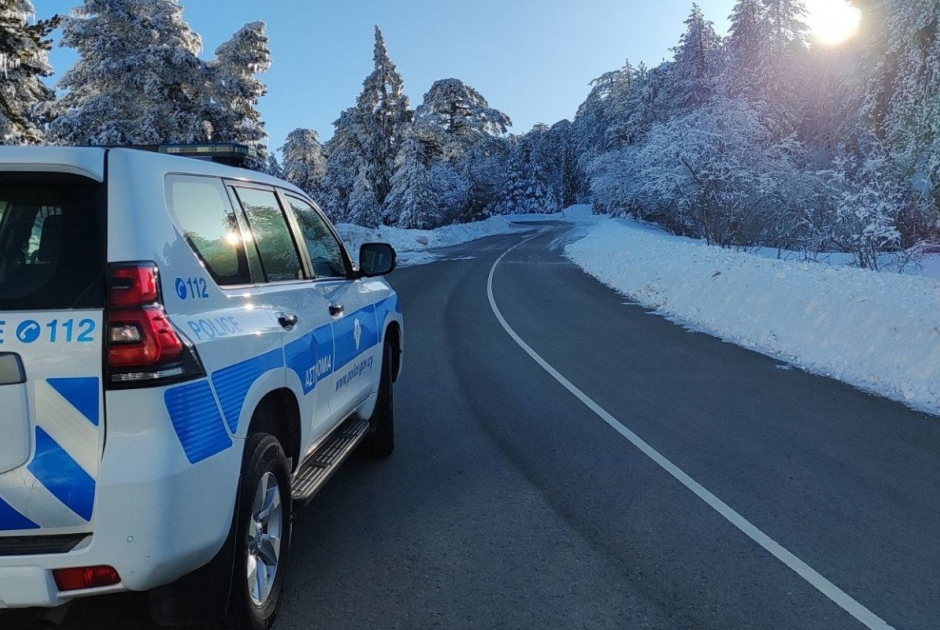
<point>230,153</point>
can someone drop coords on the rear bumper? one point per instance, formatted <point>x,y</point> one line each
<point>157,517</point>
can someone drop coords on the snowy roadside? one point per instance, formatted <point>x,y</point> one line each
<point>413,245</point>
<point>877,331</point>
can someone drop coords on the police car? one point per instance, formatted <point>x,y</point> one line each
<point>187,353</point>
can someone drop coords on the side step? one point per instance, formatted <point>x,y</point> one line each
<point>319,467</point>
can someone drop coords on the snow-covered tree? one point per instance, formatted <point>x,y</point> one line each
<point>452,190</point>
<point>602,110</point>
<point>138,78</point>
<point>870,199</point>
<point>454,117</point>
<point>346,162</point>
<point>366,141</point>
<point>744,49</point>
<point>236,89</point>
<point>385,112</point>
<point>716,174</point>
<point>485,166</point>
<point>272,167</point>
<point>912,119</point>
<point>304,162</point>
<point>697,62</point>
<point>24,59</point>
<point>528,187</point>
<point>412,199</point>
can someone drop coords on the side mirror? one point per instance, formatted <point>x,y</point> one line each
<point>376,259</point>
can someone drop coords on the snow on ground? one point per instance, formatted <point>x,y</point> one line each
<point>930,267</point>
<point>877,331</point>
<point>413,245</point>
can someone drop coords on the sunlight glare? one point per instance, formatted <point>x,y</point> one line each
<point>832,21</point>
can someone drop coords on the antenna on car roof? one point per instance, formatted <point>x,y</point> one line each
<point>230,153</point>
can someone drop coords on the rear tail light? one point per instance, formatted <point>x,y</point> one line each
<point>143,346</point>
<point>81,578</point>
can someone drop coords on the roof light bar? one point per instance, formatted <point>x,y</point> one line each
<point>219,151</point>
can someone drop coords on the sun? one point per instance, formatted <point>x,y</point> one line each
<point>832,21</point>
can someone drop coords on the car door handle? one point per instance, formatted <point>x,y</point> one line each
<point>337,310</point>
<point>287,321</point>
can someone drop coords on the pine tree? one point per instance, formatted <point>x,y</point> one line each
<point>696,62</point>
<point>744,49</point>
<point>24,57</point>
<point>385,111</point>
<point>236,89</point>
<point>365,142</point>
<point>412,198</point>
<point>912,121</point>
<point>138,78</point>
<point>453,117</point>
<point>782,60</point>
<point>345,162</point>
<point>272,167</point>
<point>304,160</point>
<point>602,110</point>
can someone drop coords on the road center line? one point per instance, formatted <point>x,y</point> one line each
<point>813,577</point>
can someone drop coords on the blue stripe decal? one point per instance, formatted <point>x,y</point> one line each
<point>345,334</point>
<point>62,476</point>
<point>11,520</point>
<point>81,393</point>
<point>197,421</point>
<point>311,357</point>
<point>232,383</point>
<point>386,306</point>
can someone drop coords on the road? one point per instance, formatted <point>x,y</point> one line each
<point>510,504</point>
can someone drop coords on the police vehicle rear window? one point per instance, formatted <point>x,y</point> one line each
<point>52,242</point>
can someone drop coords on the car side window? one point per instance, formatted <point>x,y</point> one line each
<point>205,215</point>
<point>326,252</point>
<point>272,236</point>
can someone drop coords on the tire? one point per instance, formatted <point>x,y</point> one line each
<point>380,442</point>
<point>253,601</point>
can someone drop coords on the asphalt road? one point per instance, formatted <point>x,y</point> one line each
<point>510,504</point>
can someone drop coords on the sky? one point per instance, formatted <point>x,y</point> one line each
<point>532,59</point>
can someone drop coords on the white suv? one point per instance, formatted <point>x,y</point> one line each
<point>186,352</point>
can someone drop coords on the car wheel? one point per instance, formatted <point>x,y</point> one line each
<point>381,440</point>
<point>263,536</point>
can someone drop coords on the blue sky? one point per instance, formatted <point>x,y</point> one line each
<point>532,59</point>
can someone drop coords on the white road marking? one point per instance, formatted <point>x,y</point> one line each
<point>808,573</point>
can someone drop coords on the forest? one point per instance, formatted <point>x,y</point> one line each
<point>759,138</point>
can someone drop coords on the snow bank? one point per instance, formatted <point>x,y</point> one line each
<point>878,331</point>
<point>413,245</point>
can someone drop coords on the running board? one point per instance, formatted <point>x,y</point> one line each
<point>320,466</point>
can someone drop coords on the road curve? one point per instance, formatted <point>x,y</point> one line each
<point>510,504</point>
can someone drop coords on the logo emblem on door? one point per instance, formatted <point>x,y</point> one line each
<point>357,333</point>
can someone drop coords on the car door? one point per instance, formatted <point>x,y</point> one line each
<point>357,356</point>
<point>288,293</point>
<point>52,298</point>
